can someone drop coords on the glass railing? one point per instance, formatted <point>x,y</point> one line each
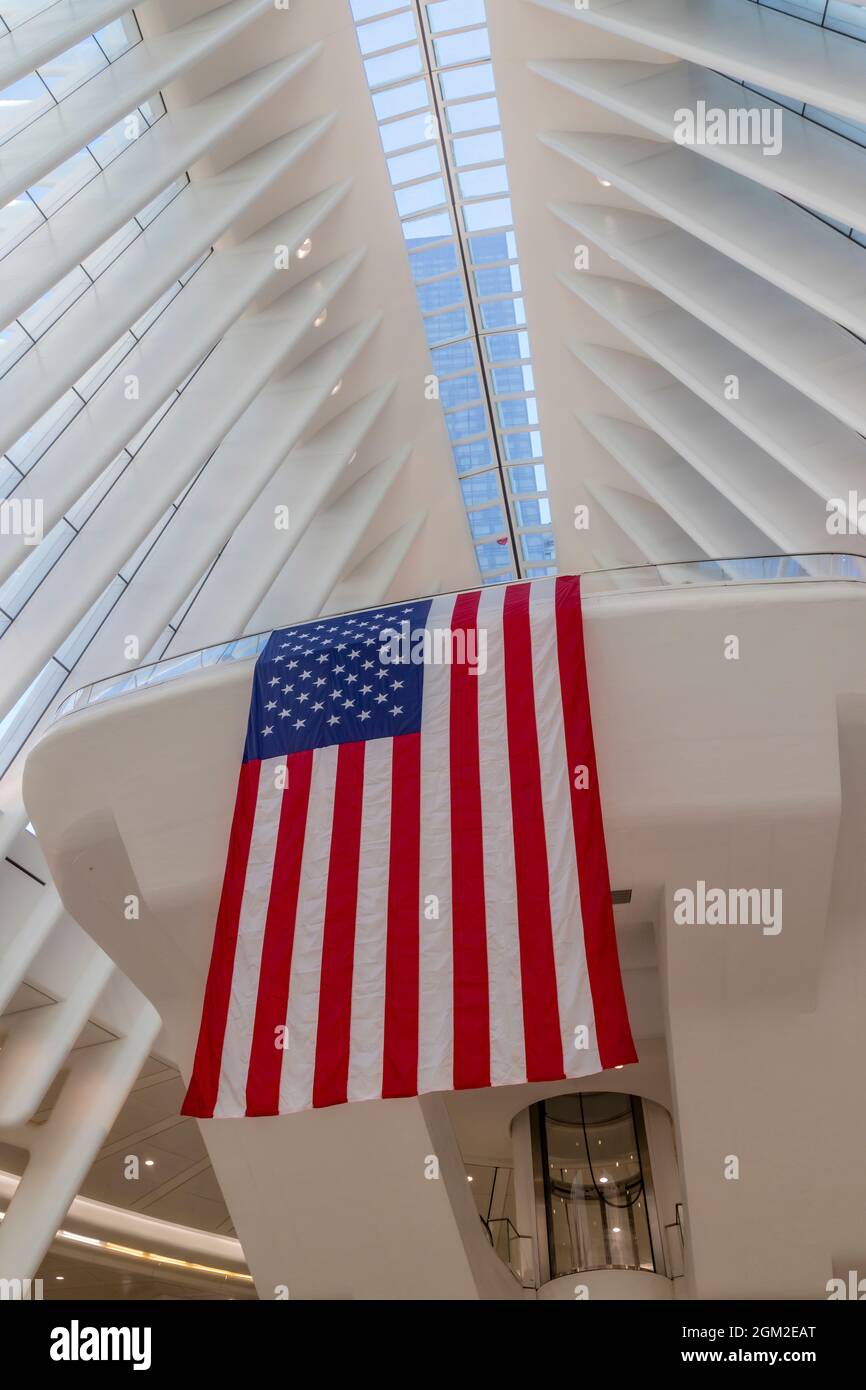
<point>760,569</point>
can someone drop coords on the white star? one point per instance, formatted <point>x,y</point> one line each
<point>334,719</point>
<point>278,659</point>
<point>338,670</point>
<point>370,642</point>
<point>351,678</point>
<point>365,689</point>
<point>321,627</point>
<point>302,698</point>
<point>287,689</point>
<point>305,675</point>
<point>299,723</point>
<point>336,694</point>
<point>354,655</point>
<point>267,729</point>
<point>321,681</point>
<point>381,675</point>
<point>368,666</point>
<point>364,715</point>
<point>397,709</point>
<point>272,704</point>
<point>341,646</point>
<point>274,681</point>
<point>396,685</point>
<point>318,705</point>
<point>322,658</point>
<point>292,665</point>
<point>348,704</point>
<point>284,713</point>
<point>381,699</point>
<point>333,629</point>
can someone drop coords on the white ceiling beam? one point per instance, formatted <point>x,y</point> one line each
<point>115,91</point>
<point>371,578</point>
<point>216,397</point>
<point>747,41</point>
<point>197,217</point>
<point>826,455</point>
<point>53,32</point>
<point>158,157</point>
<point>326,549</point>
<point>769,235</point>
<point>817,357</point>
<point>813,166</point>
<point>188,329</point>
<point>226,603</point>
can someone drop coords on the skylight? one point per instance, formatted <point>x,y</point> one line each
<point>434,93</point>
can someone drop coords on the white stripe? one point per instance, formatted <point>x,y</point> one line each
<point>572,975</point>
<point>299,1059</point>
<point>367,1038</point>
<point>436,985</point>
<point>231,1096</point>
<point>507,1050</point>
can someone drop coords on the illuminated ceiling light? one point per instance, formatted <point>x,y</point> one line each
<point>304,249</point>
<point>605,183</point>
<point>60,1277</point>
<point>620,1067</point>
<point>616,1230</point>
<point>317,322</point>
<point>604,1179</point>
<point>148,1163</point>
<point>469,1177</point>
<point>338,387</point>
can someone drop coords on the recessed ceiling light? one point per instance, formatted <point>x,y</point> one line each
<point>317,323</point>
<point>616,1230</point>
<point>304,249</point>
<point>605,183</point>
<point>60,1277</point>
<point>148,1163</point>
<point>469,1177</point>
<point>620,1067</point>
<point>604,1179</point>
<point>338,387</point>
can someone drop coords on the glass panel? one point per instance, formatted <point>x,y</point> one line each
<point>478,149</point>
<point>67,71</point>
<point>416,165</point>
<point>48,308</point>
<point>410,97</point>
<point>453,14</point>
<point>399,135</point>
<point>22,103</point>
<point>489,522</point>
<point>17,220</point>
<point>406,62</point>
<point>462,48</point>
<point>467,82</point>
<point>473,115</point>
<point>58,187</point>
<point>480,183</point>
<point>484,487</point>
<point>437,261</point>
<point>420,197</point>
<point>387,33</point>
<point>594,1185</point>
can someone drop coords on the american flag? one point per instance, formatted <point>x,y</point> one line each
<point>416,896</point>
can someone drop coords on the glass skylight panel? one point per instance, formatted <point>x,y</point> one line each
<point>457,219</point>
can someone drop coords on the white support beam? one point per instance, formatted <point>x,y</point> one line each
<point>817,357</point>
<point>753,43</point>
<point>207,307</point>
<point>813,166</point>
<point>52,32</point>
<point>197,217</point>
<point>159,156</point>
<point>117,90</point>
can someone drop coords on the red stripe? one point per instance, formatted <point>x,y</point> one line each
<point>541,1030</point>
<point>331,1076</point>
<point>204,1084</point>
<point>469,918</point>
<point>615,1044</point>
<point>400,1053</point>
<point>263,1077</point>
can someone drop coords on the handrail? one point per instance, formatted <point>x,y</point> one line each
<point>755,569</point>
